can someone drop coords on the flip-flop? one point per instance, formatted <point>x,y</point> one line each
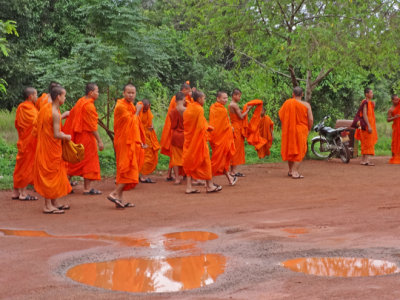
<point>63,207</point>
<point>73,183</point>
<point>128,204</point>
<point>15,198</point>
<point>92,192</point>
<point>53,212</point>
<point>147,180</point>
<point>289,174</point>
<point>116,201</point>
<point>298,177</point>
<point>235,179</point>
<point>238,174</point>
<point>213,191</point>
<point>218,187</point>
<point>193,192</point>
<point>169,178</point>
<point>28,198</point>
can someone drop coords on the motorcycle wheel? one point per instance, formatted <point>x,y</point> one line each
<point>320,148</point>
<point>344,154</point>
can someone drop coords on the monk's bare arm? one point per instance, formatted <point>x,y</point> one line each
<point>58,134</point>
<point>138,108</point>
<point>235,108</point>
<point>65,115</point>
<point>390,117</point>
<point>98,139</point>
<point>365,117</point>
<point>310,117</point>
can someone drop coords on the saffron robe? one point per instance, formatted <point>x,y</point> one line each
<point>368,140</point>
<point>221,139</point>
<point>42,100</point>
<point>253,132</point>
<point>24,121</point>
<point>151,152</point>
<point>128,140</point>
<point>50,175</point>
<point>294,118</point>
<point>239,135</point>
<point>266,127</point>
<point>395,137</point>
<point>196,155</point>
<point>177,138</point>
<point>81,124</point>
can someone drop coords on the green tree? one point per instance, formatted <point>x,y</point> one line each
<point>7,27</point>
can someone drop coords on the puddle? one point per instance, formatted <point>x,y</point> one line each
<point>186,239</point>
<point>341,266</point>
<point>124,240</point>
<point>145,275</point>
<point>296,230</point>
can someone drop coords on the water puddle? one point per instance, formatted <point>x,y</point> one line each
<point>124,240</point>
<point>186,239</point>
<point>341,266</point>
<point>296,230</point>
<point>145,275</point>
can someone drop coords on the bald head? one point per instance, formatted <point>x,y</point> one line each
<point>298,91</point>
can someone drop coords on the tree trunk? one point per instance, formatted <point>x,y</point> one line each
<point>309,87</point>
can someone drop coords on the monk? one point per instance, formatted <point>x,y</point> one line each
<point>266,128</point>
<point>368,137</point>
<point>394,116</point>
<point>239,131</point>
<point>253,136</point>
<point>176,117</point>
<point>46,98</point>
<point>50,175</point>
<point>221,138</point>
<point>82,126</point>
<point>165,141</point>
<point>196,156</point>
<point>297,120</point>
<point>24,120</point>
<point>151,152</point>
<point>128,144</point>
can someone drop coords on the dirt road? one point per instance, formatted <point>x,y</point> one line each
<point>337,210</point>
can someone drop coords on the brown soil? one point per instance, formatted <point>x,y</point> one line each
<point>337,210</point>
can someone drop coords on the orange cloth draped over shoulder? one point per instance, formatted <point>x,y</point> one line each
<point>80,124</point>
<point>128,140</point>
<point>177,138</point>
<point>368,140</point>
<point>294,118</point>
<point>166,135</point>
<point>50,175</point>
<point>239,134</point>
<point>253,132</point>
<point>42,100</point>
<point>196,155</point>
<point>221,139</point>
<point>266,126</point>
<point>395,137</point>
<point>151,152</point>
<point>25,119</point>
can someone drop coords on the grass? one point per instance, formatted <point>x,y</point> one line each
<point>9,137</point>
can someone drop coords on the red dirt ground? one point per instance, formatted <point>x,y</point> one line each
<point>337,210</point>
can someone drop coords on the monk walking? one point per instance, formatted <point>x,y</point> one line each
<point>166,137</point>
<point>50,175</point>
<point>151,152</point>
<point>82,126</point>
<point>394,116</point>
<point>239,131</point>
<point>24,120</point>
<point>221,138</point>
<point>368,137</point>
<point>196,156</point>
<point>128,145</point>
<point>297,120</point>
<point>176,117</point>
<point>266,128</point>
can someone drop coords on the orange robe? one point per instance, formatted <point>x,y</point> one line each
<point>42,100</point>
<point>196,155</point>
<point>294,118</point>
<point>24,120</point>
<point>368,140</point>
<point>253,132</point>
<point>166,133</point>
<point>80,124</point>
<point>150,153</point>
<point>221,139</point>
<point>395,137</point>
<point>177,138</point>
<point>266,126</point>
<point>50,175</point>
<point>239,134</point>
<point>128,139</point>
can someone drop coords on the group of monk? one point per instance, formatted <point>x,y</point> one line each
<point>185,139</point>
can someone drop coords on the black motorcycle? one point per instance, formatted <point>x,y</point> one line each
<point>331,142</point>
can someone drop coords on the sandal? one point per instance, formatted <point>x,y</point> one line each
<point>28,198</point>
<point>53,212</point>
<point>73,183</point>
<point>298,177</point>
<point>92,192</point>
<point>238,174</point>
<point>116,201</point>
<point>193,192</point>
<point>63,207</point>
<point>235,179</point>
<point>147,180</point>
<point>169,178</point>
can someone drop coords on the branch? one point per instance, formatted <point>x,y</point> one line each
<point>320,76</point>
<point>269,32</point>
<point>326,16</point>
<point>285,17</point>
<point>293,76</point>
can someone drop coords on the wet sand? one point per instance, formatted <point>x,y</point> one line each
<point>337,210</point>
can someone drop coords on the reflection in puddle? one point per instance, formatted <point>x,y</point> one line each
<point>151,275</point>
<point>341,266</point>
<point>296,230</point>
<point>124,240</point>
<point>186,239</point>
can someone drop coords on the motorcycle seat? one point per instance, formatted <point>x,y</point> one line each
<point>329,130</point>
